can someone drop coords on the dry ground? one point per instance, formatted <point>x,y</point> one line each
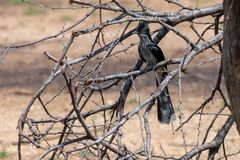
<point>24,70</point>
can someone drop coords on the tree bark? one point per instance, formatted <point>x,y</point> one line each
<point>231,56</point>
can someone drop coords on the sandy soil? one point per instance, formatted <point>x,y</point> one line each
<point>24,70</point>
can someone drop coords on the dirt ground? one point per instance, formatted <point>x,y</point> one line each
<point>24,69</point>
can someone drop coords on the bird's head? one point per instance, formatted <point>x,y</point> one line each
<point>143,28</point>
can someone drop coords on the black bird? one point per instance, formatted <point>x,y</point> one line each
<point>151,54</point>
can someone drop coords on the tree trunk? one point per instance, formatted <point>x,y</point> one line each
<point>231,55</point>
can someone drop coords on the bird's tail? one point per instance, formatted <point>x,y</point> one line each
<point>164,107</point>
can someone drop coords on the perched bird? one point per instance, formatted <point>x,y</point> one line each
<point>151,54</point>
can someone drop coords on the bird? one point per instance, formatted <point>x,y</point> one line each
<point>152,54</point>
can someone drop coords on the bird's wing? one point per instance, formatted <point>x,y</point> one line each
<point>157,52</point>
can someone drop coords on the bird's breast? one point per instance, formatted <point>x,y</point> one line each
<point>147,55</point>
